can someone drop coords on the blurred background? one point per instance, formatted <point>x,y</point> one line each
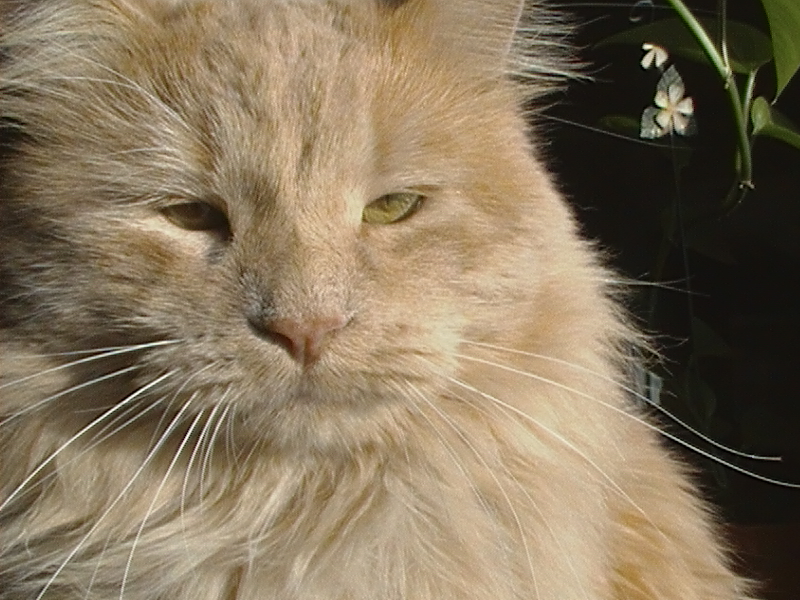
<point>726,312</point>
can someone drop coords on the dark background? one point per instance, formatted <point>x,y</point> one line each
<point>734,377</point>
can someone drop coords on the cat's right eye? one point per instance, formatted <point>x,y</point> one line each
<point>197,216</point>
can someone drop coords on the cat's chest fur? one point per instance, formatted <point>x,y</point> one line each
<point>289,309</point>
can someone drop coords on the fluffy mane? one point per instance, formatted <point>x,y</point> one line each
<point>290,309</point>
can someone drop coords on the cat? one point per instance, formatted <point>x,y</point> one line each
<point>291,308</point>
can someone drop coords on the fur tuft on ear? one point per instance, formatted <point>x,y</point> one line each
<point>517,38</point>
<point>477,28</point>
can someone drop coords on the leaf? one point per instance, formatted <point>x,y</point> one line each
<point>748,47</point>
<point>768,121</point>
<point>622,124</point>
<point>784,23</point>
<point>673,147</point>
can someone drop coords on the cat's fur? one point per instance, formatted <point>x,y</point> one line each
<point>453,420</point>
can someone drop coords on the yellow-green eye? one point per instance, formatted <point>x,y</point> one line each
<point>392,208</point>
<point>196,216</point>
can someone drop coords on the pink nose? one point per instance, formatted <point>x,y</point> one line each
<point>304,340</point>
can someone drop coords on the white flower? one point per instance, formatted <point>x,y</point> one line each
<point>654,54</point>
<point>672,113</point>
<point>676,111</point>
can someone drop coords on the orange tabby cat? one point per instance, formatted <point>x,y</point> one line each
<point>290,310</point>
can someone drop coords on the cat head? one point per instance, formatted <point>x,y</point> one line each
<point>296,210</point>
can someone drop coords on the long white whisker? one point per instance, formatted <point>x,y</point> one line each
<point>562,440</point>
<point>96,569</point>
<point>532,503</point>
<point>125,419</point>
<point>202,440</point>
<point>84,384</point>
<point>454,455</point>
<point>186,437</point>
<point>209,450</point>
<point>122,404</point>
<point>635,394</point>
<point>135,408</point>
<point>493,475</point>
<point>173,397</point>
<point>153,451</point>
<point>104,353</point>
<point>642,422</point>
<point>230,446</point>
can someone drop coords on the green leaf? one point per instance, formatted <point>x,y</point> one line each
<point>748,47</point>
<point>784,23</point>
<point>622,124</point>
<point>674,148</point>
<point>768,121</point>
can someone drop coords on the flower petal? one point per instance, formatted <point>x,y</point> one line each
<point>661,56</point>
<point>676,92</point>
<point>649,129</point>
<point>664,119</point>
<point>680,123</point>
<point>685,106</point>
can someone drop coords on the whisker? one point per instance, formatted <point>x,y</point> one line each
<point>185,440</point>
<point>533,504</point>
<point>103,353</point>
<point>202,440</point>
<point>122,404</point>
<point>150,455</point>
<point>134,408</point>
<point>230,446</point>
<point>201,446</point>
<point>125,419</point>
<point>637,395</point>
<point>174,397</point>
<point>562,440</point>
<point>96,569</point>
<point>518,522</point>
<point>85,384</point>
<point>642,422</point>
<point>448,447</point>
<point>209,450</point>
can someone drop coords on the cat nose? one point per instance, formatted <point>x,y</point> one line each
<point>304,340</point>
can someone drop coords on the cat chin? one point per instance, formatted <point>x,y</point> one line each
<point>308,425</point>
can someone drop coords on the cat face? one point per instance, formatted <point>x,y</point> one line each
<point>303,227</point>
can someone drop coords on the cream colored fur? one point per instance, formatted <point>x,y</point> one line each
<point>466,434</point>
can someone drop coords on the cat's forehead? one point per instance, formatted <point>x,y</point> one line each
<point>301,98</point>
<point>253,100</point>
<point>272,60</point>
<point>275,94</point>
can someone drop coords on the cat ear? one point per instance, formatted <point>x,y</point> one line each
<point>481,30</point>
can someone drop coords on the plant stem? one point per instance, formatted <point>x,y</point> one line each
<point>718,61</point>
<point>722,9</point>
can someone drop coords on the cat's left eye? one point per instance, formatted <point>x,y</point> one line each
<point>197,216</point>
<point>392,208</point>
